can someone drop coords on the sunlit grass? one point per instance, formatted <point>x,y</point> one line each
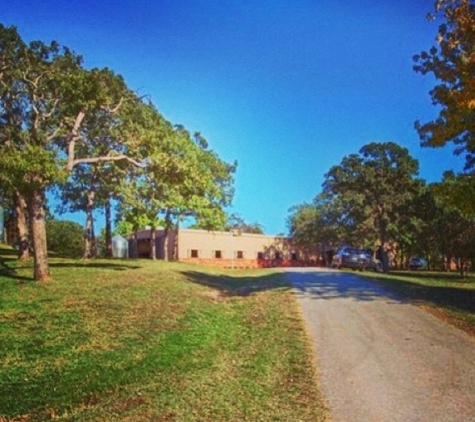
<point>140,341</point>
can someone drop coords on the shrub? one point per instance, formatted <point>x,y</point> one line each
<point>65,238</point>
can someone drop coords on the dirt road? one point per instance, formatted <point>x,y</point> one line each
<point>383,360</point>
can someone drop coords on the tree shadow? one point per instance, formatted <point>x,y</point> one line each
<point>327,285</point>
<point>117,266</point>
<point>12,273</point>
<point>457,298</point>
<point>7,257</point>
<point>11,267</point>
<point>452,276</point>
<point>238,284</point>
<point>7,254</point>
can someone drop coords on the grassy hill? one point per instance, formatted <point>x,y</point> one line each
<point>140,341</point>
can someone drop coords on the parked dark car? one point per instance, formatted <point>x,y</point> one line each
<point>418,264</point>
<point>356,259</point>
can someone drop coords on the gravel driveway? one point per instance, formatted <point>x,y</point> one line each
<point>382,359</point>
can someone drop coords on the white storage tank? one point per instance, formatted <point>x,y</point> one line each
<point>120,247</point>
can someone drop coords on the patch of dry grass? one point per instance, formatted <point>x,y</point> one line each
<point>140,341</point>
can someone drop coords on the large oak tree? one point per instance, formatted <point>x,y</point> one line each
<point>47,101</point>
<point>373,188</point>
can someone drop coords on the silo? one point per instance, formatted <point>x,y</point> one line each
<point>120,247</point>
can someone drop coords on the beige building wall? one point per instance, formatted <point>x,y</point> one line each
<point>230,245</point>
<point>225,249</point>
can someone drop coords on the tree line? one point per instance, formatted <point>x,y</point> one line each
<point>373,198</point>
<point>86,136</point>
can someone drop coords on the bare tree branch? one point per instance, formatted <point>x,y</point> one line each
<point>106,158</point>
<point>73,137</point>
<point>113,110</point>
<point>53,109</point>
<point>53,135</point>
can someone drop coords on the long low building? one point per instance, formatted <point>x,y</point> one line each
<point>232,249</point>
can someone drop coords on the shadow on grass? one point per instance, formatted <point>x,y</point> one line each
<point>11,267</point>
<point>462,299</point>
<point>113,265</point>
<point>331,284</point>
<point>238,285</point>
<point>435,275</point>
<point>6,271</point>
<point>7,257</point>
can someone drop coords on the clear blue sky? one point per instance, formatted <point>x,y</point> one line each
<point>286,88</point>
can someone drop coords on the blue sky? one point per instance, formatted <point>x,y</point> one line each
<point>286,88</point>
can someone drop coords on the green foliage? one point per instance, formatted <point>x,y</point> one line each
<point>455,222</point>
<point>65,238</point>
<point>320,222</point>
<point>366,201</point>
<point>452,62</point>
<point>87,134</point>
<point>457,192</point>
<point>123,227</point>
<point>181,179</point>
<point>373,188</point>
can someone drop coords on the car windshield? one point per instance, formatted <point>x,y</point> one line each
<point>352,251</point>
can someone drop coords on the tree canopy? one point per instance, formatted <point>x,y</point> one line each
<point>86,133</point>
<point>452,62</point>
<point>373,188</point>
<point>363,202</point>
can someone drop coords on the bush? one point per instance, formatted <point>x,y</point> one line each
<point>65,238</point>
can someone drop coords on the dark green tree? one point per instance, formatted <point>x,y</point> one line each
<point>373,188</point>
<point>65,238</point>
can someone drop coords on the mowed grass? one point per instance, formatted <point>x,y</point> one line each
<point>447,295</point>
<point>152,341</point>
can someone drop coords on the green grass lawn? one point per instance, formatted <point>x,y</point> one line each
<point>447,295</point>
<point>152,341</point>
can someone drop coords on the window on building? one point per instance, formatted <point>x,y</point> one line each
<point>218,254</point>
<point>260,255</point>
<point>194,253</point>
<point>239,254</point>
<point>278,255</point>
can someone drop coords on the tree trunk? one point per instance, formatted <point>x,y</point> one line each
<point>463,267</point>
<point>89,239</point>
<point>38,234</point>
<point>93,241</point>
<point>175,242</point>
<point>166,231</point>
<point>108,228</point>
<point>382,240</point>
<point>134,253</point>
<point>153,243</point>
<point>21,209</point>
